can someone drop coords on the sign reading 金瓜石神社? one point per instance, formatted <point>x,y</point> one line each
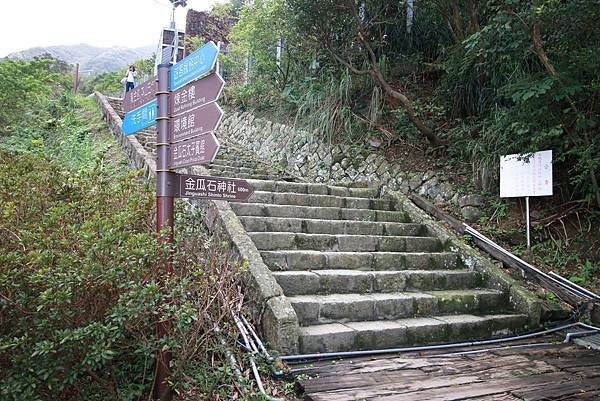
<point>216,188</point>
<point>196,94</point>
<point>198,150</point>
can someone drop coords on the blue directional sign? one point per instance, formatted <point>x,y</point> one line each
<point>199,63</point>
<point>140,118</point>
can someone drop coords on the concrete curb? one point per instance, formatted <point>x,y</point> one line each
<point>267,304</point>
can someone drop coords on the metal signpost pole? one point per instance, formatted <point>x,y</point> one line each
<point>164,218</point>
<point>528,229</point>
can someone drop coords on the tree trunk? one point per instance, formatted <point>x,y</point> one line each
<point>425,130</point>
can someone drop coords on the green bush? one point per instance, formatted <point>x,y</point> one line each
<point>77,258</point>
<point>82,283</point>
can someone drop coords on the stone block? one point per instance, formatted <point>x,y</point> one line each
<point>334,337</point>
<point>345,281</point>
<point>298,282</point>
<point>358,214</point>
<point>423,330</point>
<point>471,213</point>
<point>357,243</point>
<point>321,242</point>
<point>280,326</point>
<point>377,335</point>
<point>349,260</point>
<point>471,200</point>
<point>389,281</point>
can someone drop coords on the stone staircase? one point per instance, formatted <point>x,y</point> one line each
<point>357,272</point>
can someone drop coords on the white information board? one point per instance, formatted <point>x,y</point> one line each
<point>529,176</point>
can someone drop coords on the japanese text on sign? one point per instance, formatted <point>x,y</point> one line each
<point>522,176</point>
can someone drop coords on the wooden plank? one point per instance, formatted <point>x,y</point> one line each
<point>381,388</point>
<point>588,395</point>
<point>558,390</point>
<point>478,389</point>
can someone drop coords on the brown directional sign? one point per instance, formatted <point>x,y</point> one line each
<point>217,188</point>
<point>140,95</point>
<point>198,150</point>
<point>195,122</point>
<point>197,93</point>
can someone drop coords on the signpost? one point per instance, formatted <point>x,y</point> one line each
<point>140,95</point>
<point>215,188</point>
<point>195,122</point>
<point>199,63</point>
<point>196,94</point>
<point>524,177</point>
<point>199,150</point>
<point>186,115</point>
<point>140,118</point>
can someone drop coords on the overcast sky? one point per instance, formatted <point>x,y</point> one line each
<point>105,23</point>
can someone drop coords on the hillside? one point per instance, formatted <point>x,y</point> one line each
<point>90,58</point>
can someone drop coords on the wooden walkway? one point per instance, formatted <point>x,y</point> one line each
<point>544,372</point>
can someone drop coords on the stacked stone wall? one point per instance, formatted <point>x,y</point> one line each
<point>301,155</point>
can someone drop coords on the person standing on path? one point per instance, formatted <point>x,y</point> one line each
<point>130,78</point>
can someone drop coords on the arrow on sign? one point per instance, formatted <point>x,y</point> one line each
<point>198,150</point>
<point>140,95</point>
<point>195,122</point>
<point>216,188</point>
<point>140,118</point>
<point>195,65</point>
<point>197,93</point>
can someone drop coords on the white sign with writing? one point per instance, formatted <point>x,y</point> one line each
<point>523,175</point>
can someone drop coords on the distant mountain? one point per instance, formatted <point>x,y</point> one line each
<point>90,58</point>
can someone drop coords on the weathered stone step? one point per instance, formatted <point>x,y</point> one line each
<point>315,260</point>
<point>272,241</point>
<point>235,163</point>
<point>338,337</point>
<point>256,176</point>
<point>290,198</point>
<point>361,282</point>
<point>320,309</point>
<point>316,226</point>
<point>323,213</point>
<point>217,169</point>
<point>314,189</point>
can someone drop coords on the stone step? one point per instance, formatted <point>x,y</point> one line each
<point>239,170</point>
<point>290,198</point>
<point>361,282</point>
<point>339,308</point>
<point>376,261</point>
<point>314,189</point>
<point>244,176</point>
<point>273,241</point>
<point>369,335</point>
<point>219,162</point>
<point>316,226</point>
<point>323,213</point>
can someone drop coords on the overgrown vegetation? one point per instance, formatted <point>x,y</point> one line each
<point>82,282</point>
<point>486,78</point>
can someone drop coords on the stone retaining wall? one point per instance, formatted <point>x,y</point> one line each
<point>320,162</point>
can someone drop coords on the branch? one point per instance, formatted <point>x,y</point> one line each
<point>348,64</point>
